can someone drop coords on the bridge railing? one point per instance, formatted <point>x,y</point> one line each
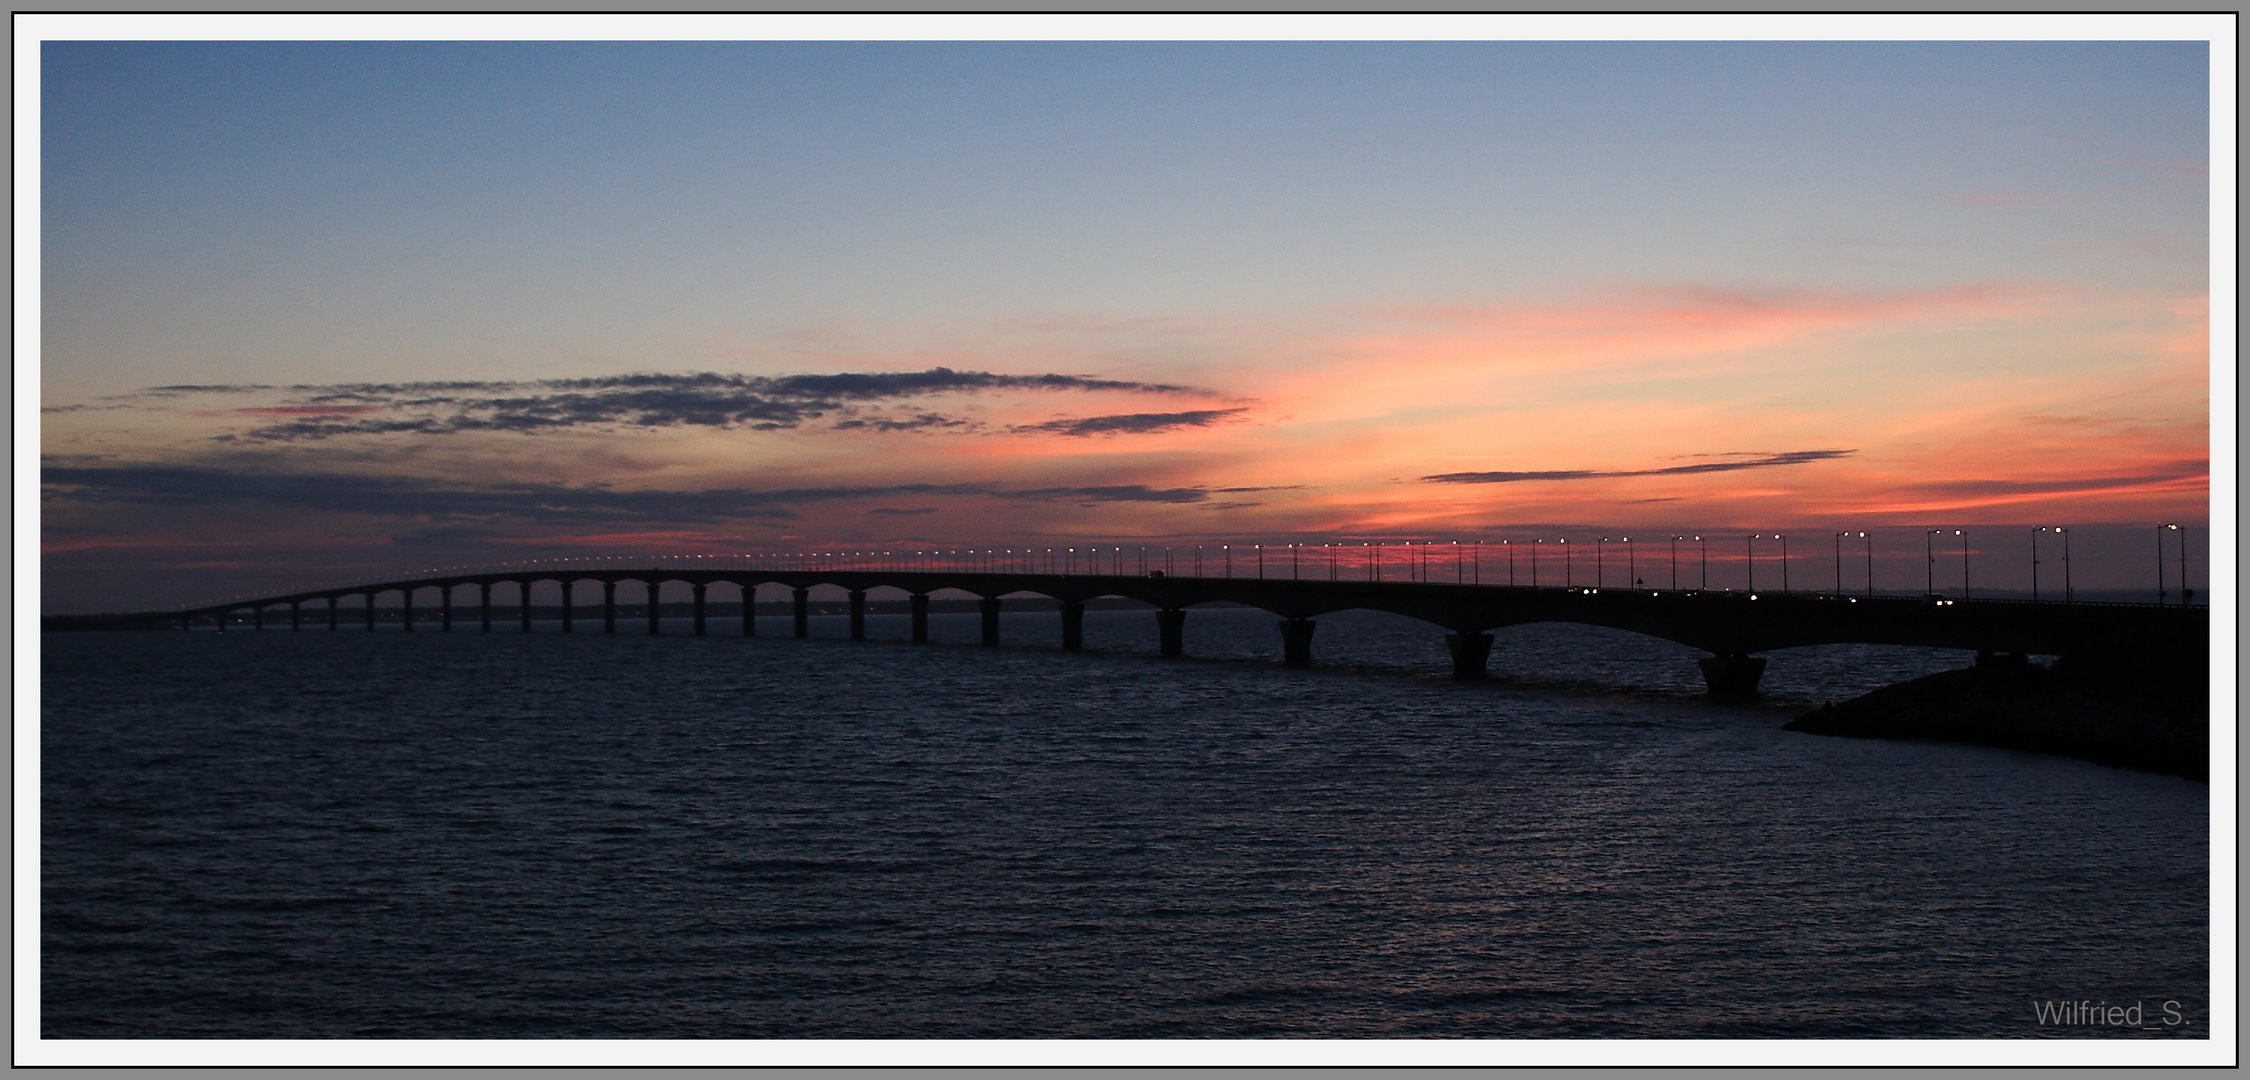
<point>1684,561</point>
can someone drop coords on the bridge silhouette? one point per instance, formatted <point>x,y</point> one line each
<point>1729,626</point>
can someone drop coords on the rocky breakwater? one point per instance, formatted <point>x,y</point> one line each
<point>2144,714</point>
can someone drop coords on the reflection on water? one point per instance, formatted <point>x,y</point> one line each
<point>506,836</point>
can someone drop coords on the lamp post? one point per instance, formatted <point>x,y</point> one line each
<point>1675,562</point>
<point>1840,562</point>
<point>2160,563</point>
<point>1750,563</point>
<point>1598,542</point>
<point>2067,595</point>
<point>1535,543</point>
<point>1784,538</point>
<point>1929,569</point>
<point>1870,565</point>
<point>1632,573</point>
<point>2185,593</point>
<point>1565,542</point>
<point>1964,535</point>
<point>2035,564</point>
<point>1705,586</point>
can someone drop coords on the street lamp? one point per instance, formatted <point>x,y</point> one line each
<point>1964,535</point>
<point>1784,538</point>
<point>1598,542</point>
<point>1631,571</point>
<point>1870,565</point>
<point>1565,542</point>
<point>1929,569</point>
<point>1675,562</point>
<point>1535,560</point>
<point>1750,562</point>
<point>2186,594</point>
<point>2067,595</point>
<point>1705,586</point>
<point>2160,562</point>
<point>1840,562</point>
<point>2035,563</point>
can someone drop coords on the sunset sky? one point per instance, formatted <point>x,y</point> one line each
<point>310,310</point>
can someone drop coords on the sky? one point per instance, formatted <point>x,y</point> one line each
<point>314,310</point>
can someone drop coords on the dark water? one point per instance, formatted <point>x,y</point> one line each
<point>316,835</point>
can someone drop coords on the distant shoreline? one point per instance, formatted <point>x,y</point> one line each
<point>2150,718</point>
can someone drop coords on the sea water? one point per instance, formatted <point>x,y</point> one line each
<point>315,834</point>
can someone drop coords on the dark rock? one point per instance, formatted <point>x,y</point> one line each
<point>2150,720</point>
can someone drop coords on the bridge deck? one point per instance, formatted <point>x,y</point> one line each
<point>1722,623</point>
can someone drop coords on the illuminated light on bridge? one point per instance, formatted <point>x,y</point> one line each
<point>1729,626</point>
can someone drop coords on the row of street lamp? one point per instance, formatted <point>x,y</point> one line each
<point>1468,559</point>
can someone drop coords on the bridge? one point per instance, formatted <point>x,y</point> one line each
<point>1729,626</point>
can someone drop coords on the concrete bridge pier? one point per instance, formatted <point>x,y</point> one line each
<point>654,594</point>
<point>484,606</point>
<point>1169,622</point>
<point>523,598</point>
<point>749,610</point>
<point>699,589</point>
<point>331,615</point>
<point>800,611</point>
<point>1732,674</point>
<point>1296,642</point>
<point>222,621</point>
<point>369,597</point>
<point>1074,625</point>
<point>989,608</point>
<point>1470,650</point>
<point>406,609</point>
<point>445,607</point>
<point>609,607</point>
<point>919,604</point>
<point>859,614</point>
<point>258,617</point>
<point>566,606</point>
<point>293,614</point>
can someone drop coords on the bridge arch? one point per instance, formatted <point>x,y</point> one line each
<point>1729,626</point>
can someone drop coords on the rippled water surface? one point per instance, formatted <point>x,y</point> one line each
<point>314,835</point>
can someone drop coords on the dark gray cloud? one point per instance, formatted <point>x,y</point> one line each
<point>920,422</point>
<point>886,511</point>
<point>1130,423</point>
<point>1114,493</point>
<point>1766,461</point>
<point>437,501</point>
<point>704,399</point>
